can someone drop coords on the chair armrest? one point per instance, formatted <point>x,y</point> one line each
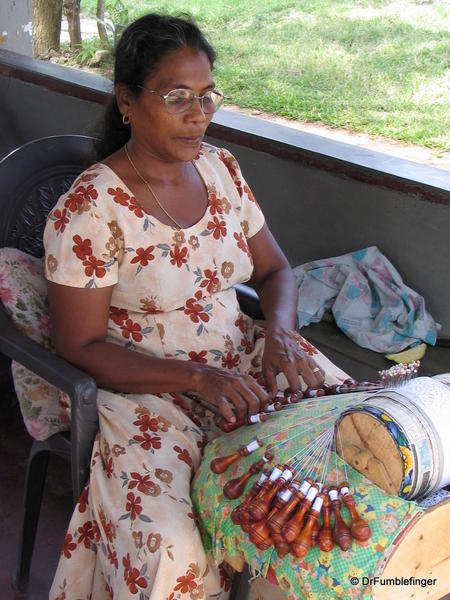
<point>249,301</point>
<point>80,387</point>
<point>47,365</point>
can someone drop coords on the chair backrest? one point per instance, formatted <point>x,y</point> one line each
<point>32,178</point>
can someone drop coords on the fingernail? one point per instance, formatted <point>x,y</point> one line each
<point>232,419</point>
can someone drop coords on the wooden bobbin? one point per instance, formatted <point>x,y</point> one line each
<point>259,507</point>
<point>239,515</point>
<point>259,532</point>
<point>280,514</point>
<point>303,543</point>
<point>341,533</point>
<point>359,527</point>
<point>325,541</point>
<point>228,426</point>
<point>220,465</point>
<point>293,527</point>
<point>234,488</point>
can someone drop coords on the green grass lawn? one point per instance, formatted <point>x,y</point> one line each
<point>375,66</point>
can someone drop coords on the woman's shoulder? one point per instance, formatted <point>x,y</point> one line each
<point>219,161</point>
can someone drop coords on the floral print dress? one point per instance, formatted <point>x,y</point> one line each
<point>133,533</point>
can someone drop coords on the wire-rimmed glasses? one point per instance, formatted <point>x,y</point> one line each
<point>181,100</point>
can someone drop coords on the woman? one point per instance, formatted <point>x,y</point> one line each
<point>141,258</point>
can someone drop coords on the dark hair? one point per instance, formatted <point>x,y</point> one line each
<point>141,48</point>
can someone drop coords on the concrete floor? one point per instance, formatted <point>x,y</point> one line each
<point>56,507</point>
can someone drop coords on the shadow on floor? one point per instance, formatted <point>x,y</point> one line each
<point>56,507</point>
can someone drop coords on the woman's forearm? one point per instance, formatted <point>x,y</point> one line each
<point>118,368</point>
<point>278,294</point>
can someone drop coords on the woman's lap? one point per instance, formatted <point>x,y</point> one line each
<point>133,531</point>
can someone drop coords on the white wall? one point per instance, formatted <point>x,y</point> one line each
<point>16,18</point>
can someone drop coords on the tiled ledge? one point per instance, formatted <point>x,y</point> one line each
<point>415,179</point>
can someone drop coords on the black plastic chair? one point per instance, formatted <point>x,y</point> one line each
<point>31,180</point>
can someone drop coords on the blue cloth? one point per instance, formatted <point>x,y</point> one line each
<point>368,299</point>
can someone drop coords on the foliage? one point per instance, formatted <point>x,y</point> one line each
<point>378,66</point>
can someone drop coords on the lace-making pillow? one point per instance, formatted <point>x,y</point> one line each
<point>23,291</point>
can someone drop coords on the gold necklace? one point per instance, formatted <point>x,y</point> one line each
<point>150,188</point>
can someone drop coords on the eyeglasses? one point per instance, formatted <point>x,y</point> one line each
<point>179,101</point>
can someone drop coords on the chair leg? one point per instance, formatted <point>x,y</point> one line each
<point>34,486</point>
<point>240,589</point>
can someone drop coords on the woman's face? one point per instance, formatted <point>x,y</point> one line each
<point>172,138</point>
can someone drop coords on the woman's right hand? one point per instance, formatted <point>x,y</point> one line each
<point>235,395</point>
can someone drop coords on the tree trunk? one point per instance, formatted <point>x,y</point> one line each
<point>101,15</point>
<point>46,25</point>
<point>72,11</point>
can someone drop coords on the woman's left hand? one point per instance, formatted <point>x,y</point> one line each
<point>282,354</point>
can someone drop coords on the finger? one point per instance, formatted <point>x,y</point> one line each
<point>271,381</point>
<point>305,370</point>
<point>239,404</point>
<point>291,372</point>
<point>248,391</point>
<point>262,396</point>
<point>318,373</point>
<point>226,410</point>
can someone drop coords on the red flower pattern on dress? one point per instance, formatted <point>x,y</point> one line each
<point>132,576</point>
<point>186,583</point>
<point>131,329</point>
<point>109,467</point>
<point>231,164</point>
<point>95,531</point>
<point>142,482</point>
<point>215,204</point>
<point>87,193</point>
<point>143,256</point>
<point>147,441</point>
<point>108,528</point>
<point>112,556</point>
<point>61,219</point>
<point>225,581</point>
<point>69,546</point>
<point>178,255</point>
<point>93,265</point>
<point>184,455</point>
<point>211,280</point>
<point>82,248</point>
<point>218,228</point>
<point>199,357</point>
<point>195,311</point>
<point>120,196</point>
<point>74,202</point>
<point>242,245</point>
<point>118,315</point>
<point>133,506</point>
<point>229,361</point>
<point>308,347</point>
<point>250,195</point>
<point>85,178</point>
<point>135,207</point>
<point>146,423</point>
<point>83,500</point>
<point>85,534</point>
<point>246,345</point>
<point>242,323</point>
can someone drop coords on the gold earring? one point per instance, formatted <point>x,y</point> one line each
<point>126,119</point>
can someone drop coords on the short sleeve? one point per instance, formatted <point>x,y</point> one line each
<point>250,213</point>
<point>80,247</point>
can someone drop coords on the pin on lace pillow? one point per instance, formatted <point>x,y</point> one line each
<point>23,291</point>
